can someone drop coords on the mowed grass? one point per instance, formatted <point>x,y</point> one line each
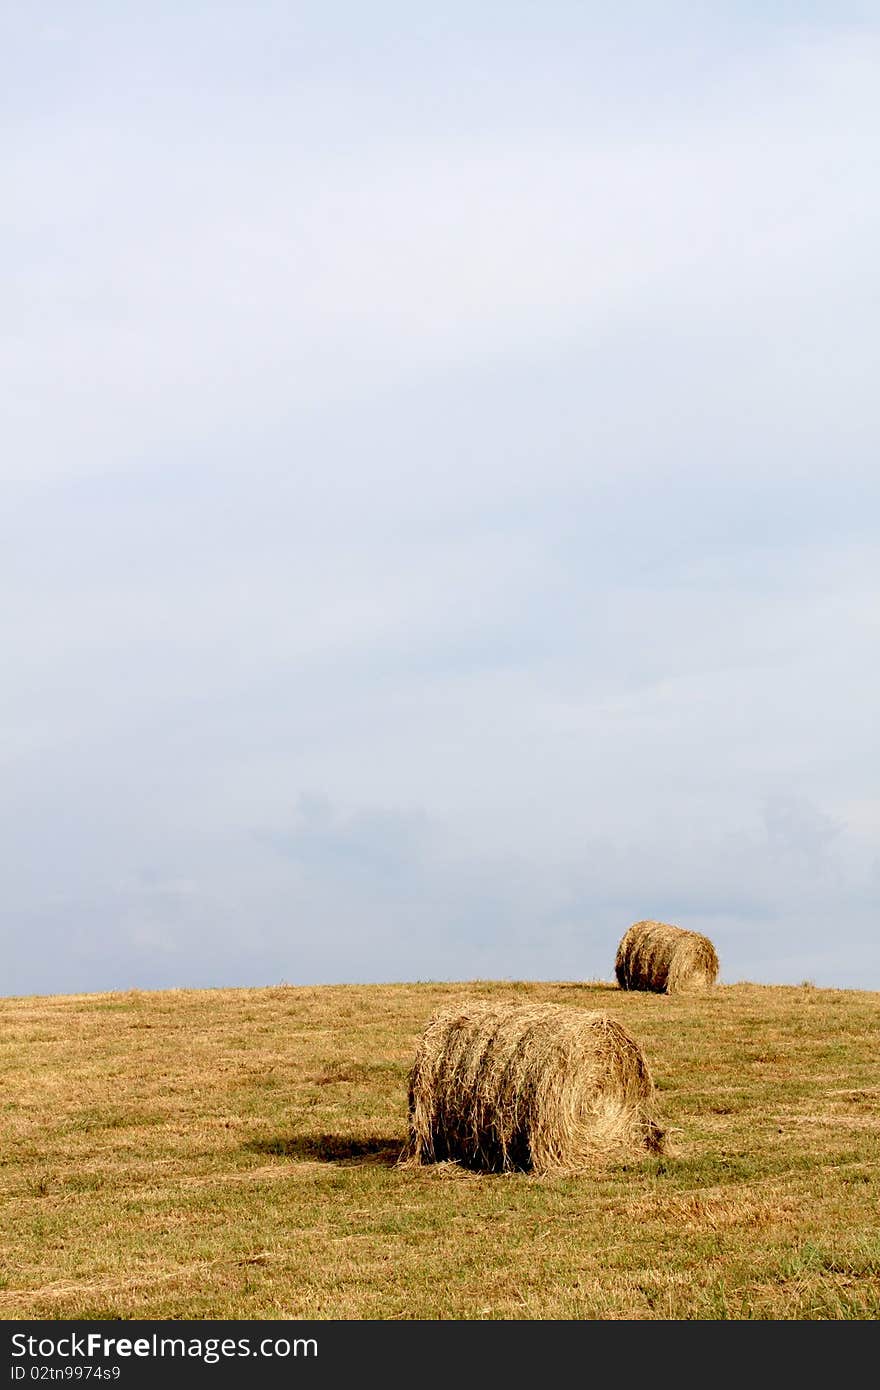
<point>231,1153</point>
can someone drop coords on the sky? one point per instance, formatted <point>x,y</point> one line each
<point>439,500</point>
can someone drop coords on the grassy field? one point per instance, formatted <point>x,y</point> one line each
<point>231,1153</point>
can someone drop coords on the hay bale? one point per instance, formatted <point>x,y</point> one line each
<point>538,1087</point>
<point>666,959</point>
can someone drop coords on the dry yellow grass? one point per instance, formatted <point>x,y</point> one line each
<point>233,1154</point>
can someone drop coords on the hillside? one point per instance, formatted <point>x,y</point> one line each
<point>230,1153</point>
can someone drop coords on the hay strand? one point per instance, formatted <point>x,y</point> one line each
<point>664,958</point>
<point>499,1087</point>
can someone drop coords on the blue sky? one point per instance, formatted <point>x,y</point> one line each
<point>439,491</point>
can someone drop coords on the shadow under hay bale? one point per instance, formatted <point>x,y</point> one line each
<point>375,1151</point>
<point>666,959</point>
<point>543,1088</point>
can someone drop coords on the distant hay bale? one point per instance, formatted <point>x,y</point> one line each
<point>666,959</point>
<point>540,1087</point>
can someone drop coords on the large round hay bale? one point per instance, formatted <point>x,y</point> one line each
<point>666,959</point>
<point>538,1087</point>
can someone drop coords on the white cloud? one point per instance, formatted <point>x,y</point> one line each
<point>510,484</point>
<point>169,289</point>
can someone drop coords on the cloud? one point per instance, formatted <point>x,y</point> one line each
<point>795,829</point>
<point>440,495</point>
<point>264,277</point>
<point>383,893</point>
